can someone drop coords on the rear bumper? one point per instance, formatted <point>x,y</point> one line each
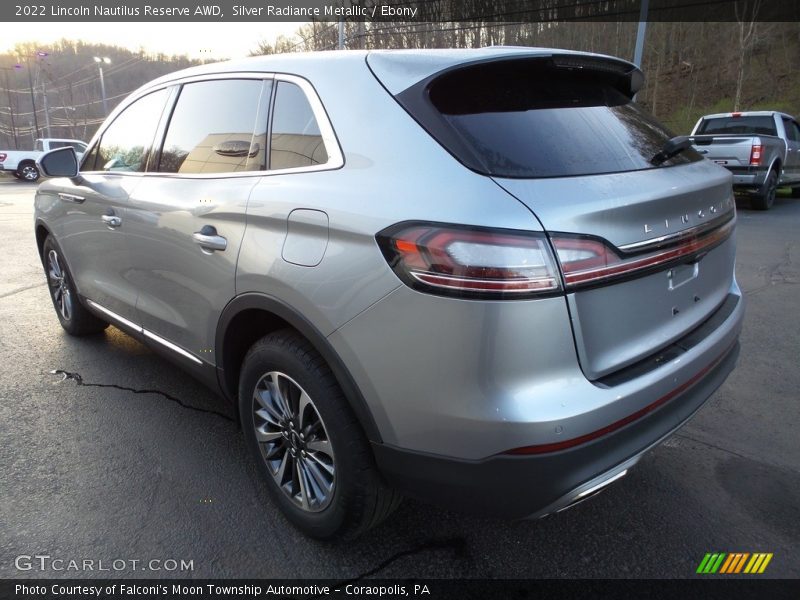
<point>533,486</point>
<point>748,180</point>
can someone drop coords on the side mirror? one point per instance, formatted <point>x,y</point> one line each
<point>62,162</point>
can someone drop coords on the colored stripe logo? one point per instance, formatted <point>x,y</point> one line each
<point>734,562</point>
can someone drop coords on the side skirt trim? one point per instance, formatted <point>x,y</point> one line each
<point>148,334</point>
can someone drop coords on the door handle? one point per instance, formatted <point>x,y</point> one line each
<point>208,239</point>
<point>71,198</point>
<point>112,220</point>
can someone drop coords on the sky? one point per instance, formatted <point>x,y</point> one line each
<point>197,40</point>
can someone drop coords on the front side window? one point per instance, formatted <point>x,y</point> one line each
<point>296,140</point>
<point>125,144</point>
<point>217,127</point>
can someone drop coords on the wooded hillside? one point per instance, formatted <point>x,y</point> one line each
<point>690,68</point>
<point>64,77</point>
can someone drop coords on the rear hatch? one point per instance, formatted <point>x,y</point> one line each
<point>644,246</point>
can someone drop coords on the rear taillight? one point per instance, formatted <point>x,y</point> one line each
<point>755,155</point>
<point>473,262</point>
<point>470,262</point>
<point>2,156</point>
<point>592,261</point>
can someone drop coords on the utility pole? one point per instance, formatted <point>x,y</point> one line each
<point>100,62</point>
<point>341,34</point>
<point>11,108</point>
<point>33,101</point>
<point>46,110</point>
<point>639,51</point>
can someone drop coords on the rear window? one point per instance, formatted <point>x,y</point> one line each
<point>763,125</point>
<point>532,119</point>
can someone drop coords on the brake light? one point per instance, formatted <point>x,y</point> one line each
<point>2,156</point>
<point>755,155</point>
<point>470,261</point>
<point>736,115</point>
<point>476,262</point>
<point>590,261</point>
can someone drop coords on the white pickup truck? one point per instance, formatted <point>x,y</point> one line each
<point>760,148</point>
<point>22,163</point>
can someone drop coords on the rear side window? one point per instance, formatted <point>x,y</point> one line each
<point>296,140</point>
<point>530,119</point>
<point>792,132</point>
<point>126,143</point>
<point>760,125</point>
<point>217,126</point>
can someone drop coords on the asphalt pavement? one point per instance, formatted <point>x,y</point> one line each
<point>105,473</point>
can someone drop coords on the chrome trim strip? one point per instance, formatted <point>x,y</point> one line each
<point>673,238</point>
<point>171,346</point>
<point>602,484</point>
<point>115,316</point>
<point>147,334</point>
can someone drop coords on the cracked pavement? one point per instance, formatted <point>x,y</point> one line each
<point>111,464</point>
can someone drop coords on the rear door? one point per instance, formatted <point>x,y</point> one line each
<point>643,241</point>
<point>791,169</point>
<point>187,218</point>
<point>94,208</point>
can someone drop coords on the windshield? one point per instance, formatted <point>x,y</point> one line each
<point>760,125</point>
<point>530,119</point>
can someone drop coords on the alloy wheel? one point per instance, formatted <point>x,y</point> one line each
<point>293,441</point>
<point>59,285</point>
<point>29,173</point>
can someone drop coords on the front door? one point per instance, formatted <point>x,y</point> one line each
<point>93,226</point>
<point>186,219</point>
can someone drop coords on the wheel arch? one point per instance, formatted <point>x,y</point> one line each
<point>250,316</point>
<point>26,162</point>
<point>41,235</point>
<point>776,165</point>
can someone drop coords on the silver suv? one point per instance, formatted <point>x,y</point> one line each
<point>484,278</point>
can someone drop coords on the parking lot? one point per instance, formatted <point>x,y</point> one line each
<point>104,473</point>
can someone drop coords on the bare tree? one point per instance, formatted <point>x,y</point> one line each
<point>747,28</point>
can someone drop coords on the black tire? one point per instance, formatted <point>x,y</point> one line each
<point>766,195</point>
<point>358,498</point>
<point>73,316</point>
<point>28,172</point>
<point>796,192</point>
<point>16,175</point>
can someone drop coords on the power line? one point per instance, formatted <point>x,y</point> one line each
<point>41,110</point>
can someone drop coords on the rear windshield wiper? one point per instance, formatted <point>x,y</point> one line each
<point>672,147</point>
